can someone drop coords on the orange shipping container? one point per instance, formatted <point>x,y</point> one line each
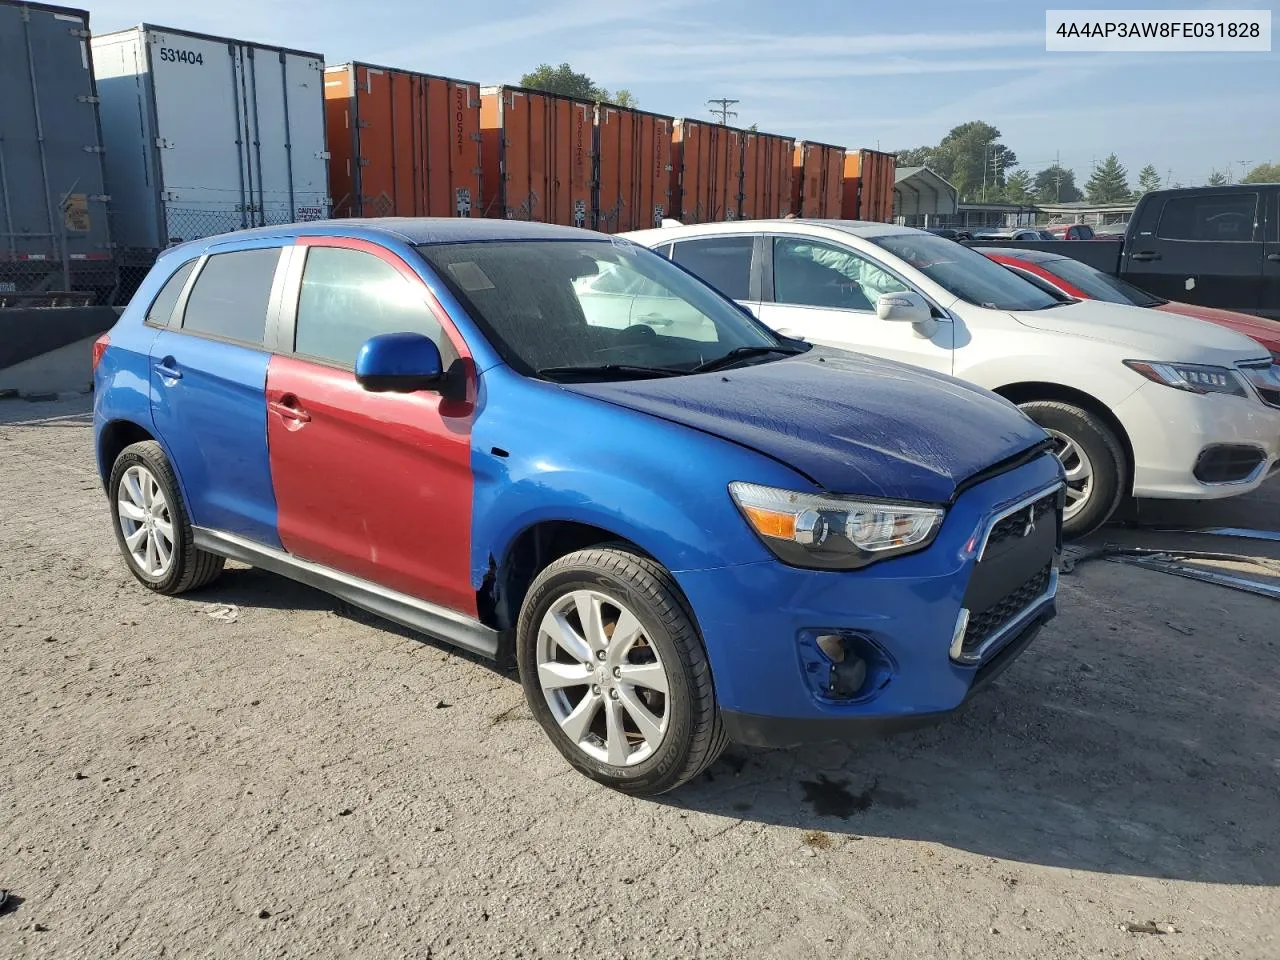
<point>818,188</point>
<point>538,156</point>
<point>706,174</point>
<point>766,175</point>
<point>401,144</point>
<point>633,167</point>
<point>868,185</point>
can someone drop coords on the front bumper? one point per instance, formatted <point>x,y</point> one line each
<point>757,619</point>
<point>753,730</point>
<point>1178,438</point>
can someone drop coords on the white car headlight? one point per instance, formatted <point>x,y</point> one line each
<point>831,532</point>
<point>1192,377</point>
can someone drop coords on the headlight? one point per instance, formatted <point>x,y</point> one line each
<point>833,532</point>
<point>1192,377</point>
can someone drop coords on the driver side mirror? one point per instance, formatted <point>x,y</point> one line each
<point>399,363</point>
<point>903,307</point>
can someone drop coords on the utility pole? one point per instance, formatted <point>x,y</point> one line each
<point>721,107</point>
<point>1168,177</point>
<point>1057,176</point>
<point>1243,164</point>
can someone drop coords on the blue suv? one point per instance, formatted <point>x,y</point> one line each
<point>555,447</point>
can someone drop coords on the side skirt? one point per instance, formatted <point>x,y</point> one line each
<point>435,621</point>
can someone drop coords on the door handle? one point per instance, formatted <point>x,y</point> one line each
<point>287,409</point>
<point>1274,257</point>
<point>1146,255</point>
<point>168,368</point>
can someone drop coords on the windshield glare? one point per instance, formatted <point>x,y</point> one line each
<point>965,273</point>
<point>1098,285</point>
<point>547,304</point>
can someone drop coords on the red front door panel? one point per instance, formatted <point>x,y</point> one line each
<point>378,485</point>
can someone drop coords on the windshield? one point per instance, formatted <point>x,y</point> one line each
<point>1098,285</point>
<point>600,308</point>
<point>965,273</point>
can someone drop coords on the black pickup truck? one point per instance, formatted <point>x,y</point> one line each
<point>1215,246</point>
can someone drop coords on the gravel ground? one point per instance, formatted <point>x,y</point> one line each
<point>302,782</point>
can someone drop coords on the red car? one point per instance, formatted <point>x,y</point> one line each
<point>1063,276</point>
<point>1070,231</point>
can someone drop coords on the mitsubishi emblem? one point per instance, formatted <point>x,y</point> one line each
<point>1030,528</point>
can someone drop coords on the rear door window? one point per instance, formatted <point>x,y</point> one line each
<point>1210,217</point>
<point>724,262</point>
<point>161,310</point>
<point>348,296</point>
<point>231,296</point>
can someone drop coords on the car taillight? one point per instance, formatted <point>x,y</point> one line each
<point>99,348</point>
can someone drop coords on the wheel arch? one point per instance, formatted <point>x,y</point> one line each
<point>1031,390</point>
<point>113,438</point>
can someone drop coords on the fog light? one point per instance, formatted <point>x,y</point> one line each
<point>832,646</point>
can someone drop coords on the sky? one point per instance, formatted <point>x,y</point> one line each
<point>851,72</point>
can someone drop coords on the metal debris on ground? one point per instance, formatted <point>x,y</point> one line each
<point>1146,926</point>
<point>1171,561</point>
<point>1240,532</point>
<point>226,612</point>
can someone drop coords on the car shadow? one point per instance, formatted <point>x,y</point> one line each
<point>1029,772</point>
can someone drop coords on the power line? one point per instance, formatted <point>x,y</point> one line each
<point>721,107</point>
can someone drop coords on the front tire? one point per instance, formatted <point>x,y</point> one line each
<point>1093,460</point>
<point>615,673</point>
<point>152,527</point>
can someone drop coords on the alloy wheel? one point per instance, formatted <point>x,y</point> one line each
<point>145,521</point>
<point>1079,470</point>
<point>602,678</point>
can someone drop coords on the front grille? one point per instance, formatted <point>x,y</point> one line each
<point>1015,524</point>
<point>985,624</point>
<point>1265,378</point>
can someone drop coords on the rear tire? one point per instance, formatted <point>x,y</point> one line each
<point>1093,459</point>
<point>152,526</point>
<point>614,671</point>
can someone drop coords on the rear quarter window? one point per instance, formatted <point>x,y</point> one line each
<point>161,310</point>
<point>231,295</point>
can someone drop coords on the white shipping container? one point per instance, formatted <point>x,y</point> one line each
<point>206,134</point>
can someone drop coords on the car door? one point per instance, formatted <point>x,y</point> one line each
<point>376,485</point>
<point>1205,248</point>
<point>1269,303</point>
<point>826,293</point>
<point>208,377</point>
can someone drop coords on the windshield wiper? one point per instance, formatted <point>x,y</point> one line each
<point>608,371</point>
<point>738,354</point>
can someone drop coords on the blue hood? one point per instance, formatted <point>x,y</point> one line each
<point>851,423</point>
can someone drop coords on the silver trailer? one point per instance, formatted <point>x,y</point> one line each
<point>207,134</point>
<point>54,235</point>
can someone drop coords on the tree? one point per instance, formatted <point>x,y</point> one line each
<point>1148,180</point>
<point>1263,173</point>
<point>1057,184</point>
<point>915,157</point>
<point>1217,179</point>
<point>754,128</point>
<point>971,158</point>
<point>1109,183</point>
<point>1017,189</point>
<point>568,83</point>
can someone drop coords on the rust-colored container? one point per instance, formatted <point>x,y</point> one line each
<point>539,156</point>
<point>401,144</point>
<point>766,175</point>
<point>868,185</point>
<point>706,172</point>
<point>818,187</point>
<point>633,169</point>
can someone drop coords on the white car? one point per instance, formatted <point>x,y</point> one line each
<point>1137,401</point>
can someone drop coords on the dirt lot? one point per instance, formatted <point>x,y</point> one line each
<point>302,782</point>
